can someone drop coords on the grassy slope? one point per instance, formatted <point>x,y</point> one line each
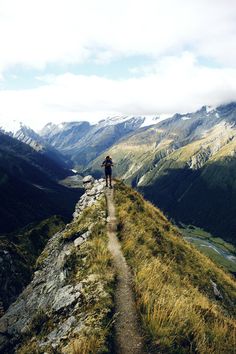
<point>173,282</point>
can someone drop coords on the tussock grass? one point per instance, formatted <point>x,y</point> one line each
<point>83,346</point>
<point>98,276</point>
<point>172,282</point>
<point>91,266</point>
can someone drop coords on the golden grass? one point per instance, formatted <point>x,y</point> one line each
<point>174,294</point>
<point>83,345</point>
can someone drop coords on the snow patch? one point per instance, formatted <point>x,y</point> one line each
<point>210,108</point>
<point>186,118</point>
<point>118,119</point>
<point>150,120</point>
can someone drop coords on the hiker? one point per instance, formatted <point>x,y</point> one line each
<point>107,163</point>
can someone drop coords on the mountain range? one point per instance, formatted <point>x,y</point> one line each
<point>69,274</point>
<point>83,142</point>
<point>184,164</point>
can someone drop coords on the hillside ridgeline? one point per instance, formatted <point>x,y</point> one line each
<point>186,165</point>
<point>185,302</point>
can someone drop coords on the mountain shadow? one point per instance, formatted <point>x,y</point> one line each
<point>29,189</point>
<point>205,197</point>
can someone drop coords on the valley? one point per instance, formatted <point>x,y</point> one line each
<point>180,171</point>
<point>217,249</point>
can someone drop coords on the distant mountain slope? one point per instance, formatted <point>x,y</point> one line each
<point>28,186</point>
<point>83,142</point>
<point>186,302</point>
<point>186,165</point>
<point>28,136</point>
<point>65,135</point>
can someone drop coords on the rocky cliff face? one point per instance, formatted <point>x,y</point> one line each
<point>55,307</point>
<point>18,253</point>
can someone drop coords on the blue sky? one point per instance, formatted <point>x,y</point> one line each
<point>65,60</point>
<point>19,77</point>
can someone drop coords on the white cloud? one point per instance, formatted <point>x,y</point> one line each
<point>176,35</point>
<point>35,33</point>
<point>177,84</point>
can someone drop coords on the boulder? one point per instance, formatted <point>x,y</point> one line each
<point>88,179</point>
<point>78,241</point>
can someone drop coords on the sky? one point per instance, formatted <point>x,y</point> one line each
<point>69,60</point>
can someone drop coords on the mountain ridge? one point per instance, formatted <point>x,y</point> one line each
<point>172,162</point>
<point>173,281</point>
<point>179,161</point>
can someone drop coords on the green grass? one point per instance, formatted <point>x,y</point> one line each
<point>172,283</point>
<point>200,233</point>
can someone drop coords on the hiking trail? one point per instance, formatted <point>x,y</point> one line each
<point>128,339</point>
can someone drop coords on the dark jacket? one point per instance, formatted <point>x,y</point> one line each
<point>107,163</point>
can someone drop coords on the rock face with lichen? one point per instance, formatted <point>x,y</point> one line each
<point>54,300</point>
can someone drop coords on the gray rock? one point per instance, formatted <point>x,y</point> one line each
<point>65,297</point>
<point>100,187</point>
<point>216,290</point>
<point>88,179</point>
<point>60,333</point>
<point>86,234</point>
<point>78,241</point>
<point>88,185</point>
<point>92,192</point>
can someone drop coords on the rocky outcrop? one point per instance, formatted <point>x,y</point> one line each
<point>53,293</point>
<point>93,190</point>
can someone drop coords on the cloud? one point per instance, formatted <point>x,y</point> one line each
<point>191,45</point>
<point>174,84</point>
<point>36,33</point>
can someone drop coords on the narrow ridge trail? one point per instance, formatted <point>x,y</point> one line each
<point>128,339</point>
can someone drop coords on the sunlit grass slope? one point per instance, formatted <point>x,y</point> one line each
<point>174,283</point>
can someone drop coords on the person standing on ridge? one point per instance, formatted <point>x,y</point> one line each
<point>107,163</point>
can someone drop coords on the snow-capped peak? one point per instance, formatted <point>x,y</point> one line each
<point>210,108</point>
<point>11,127</point>
<point>113,120</point>
<point>144,120</point>
<point>150,120</point>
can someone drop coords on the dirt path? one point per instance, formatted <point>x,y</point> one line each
<point>127,337</point>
